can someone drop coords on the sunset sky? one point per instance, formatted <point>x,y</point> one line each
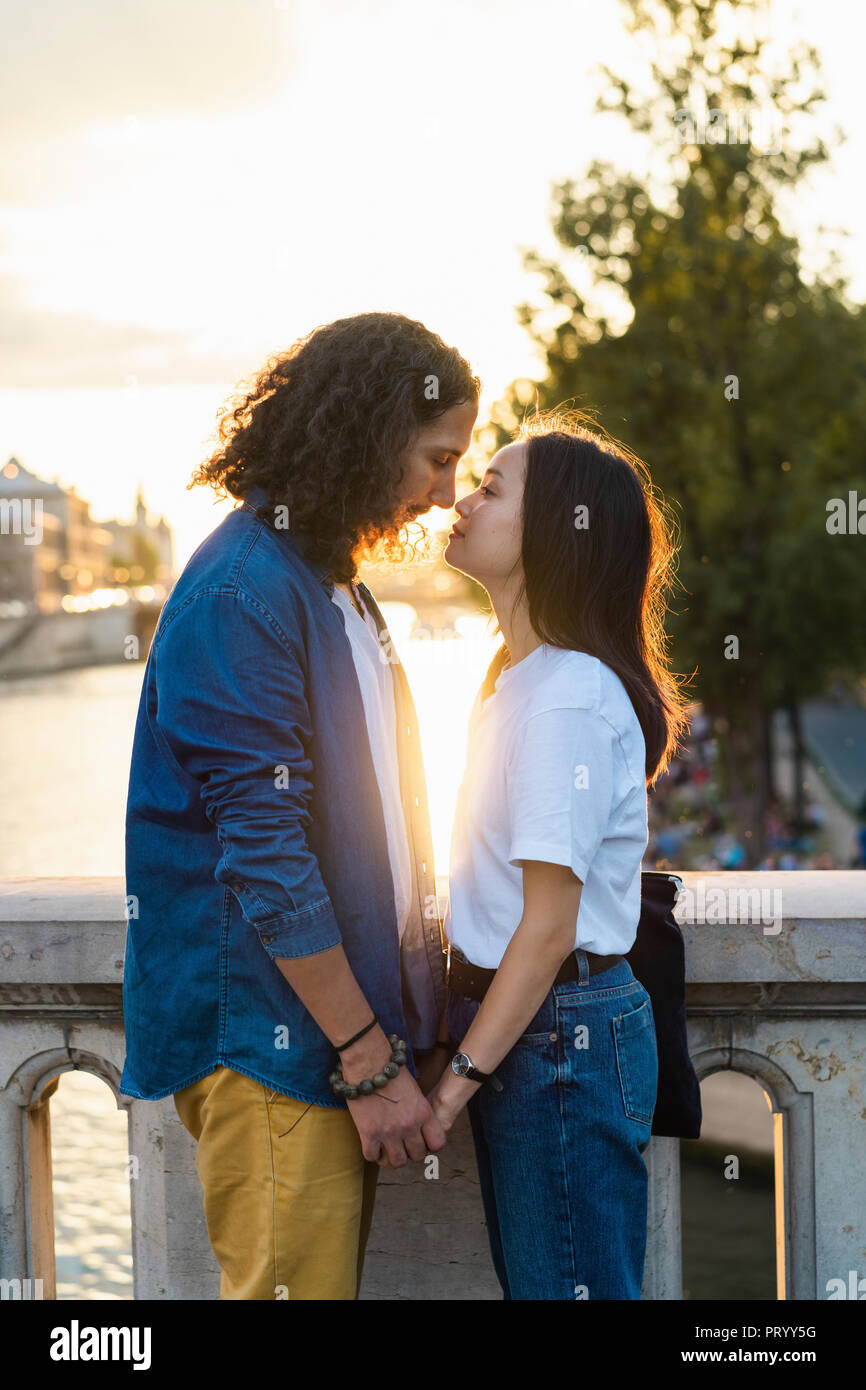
<point>188,185</point>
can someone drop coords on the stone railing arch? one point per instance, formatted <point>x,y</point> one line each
<point>26,1203</point>
<point>794,1145</point>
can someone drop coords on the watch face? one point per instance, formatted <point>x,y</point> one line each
<point>460,1063</point>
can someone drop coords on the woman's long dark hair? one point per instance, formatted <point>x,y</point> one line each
<point>598,558</point>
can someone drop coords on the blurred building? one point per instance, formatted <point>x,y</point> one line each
<point>51,547</point>
<point>32,540</point>
<point>141,551</point>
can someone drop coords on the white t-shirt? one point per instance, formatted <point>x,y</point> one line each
<point>377,693</point>
<point>555,771</point>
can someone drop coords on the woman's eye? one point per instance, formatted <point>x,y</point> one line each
<point>486,490</point>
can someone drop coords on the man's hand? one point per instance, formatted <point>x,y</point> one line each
<point>396,1124</point>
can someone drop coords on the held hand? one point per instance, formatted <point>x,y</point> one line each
<point>396,1124</point>
<point>449,1096</point>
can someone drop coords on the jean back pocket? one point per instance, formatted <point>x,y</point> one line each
<point>637,1061</point>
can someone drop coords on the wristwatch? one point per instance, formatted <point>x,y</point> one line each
<point>462,1065</point>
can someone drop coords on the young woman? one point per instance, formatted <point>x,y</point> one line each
<point>556,1052</point>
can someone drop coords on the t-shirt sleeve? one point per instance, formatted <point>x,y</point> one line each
<point>559,781</point>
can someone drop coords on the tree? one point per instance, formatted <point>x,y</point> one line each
<point>698,339</point>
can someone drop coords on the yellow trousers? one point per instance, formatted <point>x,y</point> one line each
<point>288,1194</point>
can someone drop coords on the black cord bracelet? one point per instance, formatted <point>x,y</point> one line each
<point>342,1047</point>
<point>351,1091</point>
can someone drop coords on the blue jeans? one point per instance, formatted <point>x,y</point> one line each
<point>560,1148</point>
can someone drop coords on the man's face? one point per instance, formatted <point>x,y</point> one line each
<point>430,462</point>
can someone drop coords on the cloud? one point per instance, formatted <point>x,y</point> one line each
<point>68,64</point>
<point>41,348</point>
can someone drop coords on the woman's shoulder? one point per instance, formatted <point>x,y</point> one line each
<point>570,679</point>
<point>566,679</point>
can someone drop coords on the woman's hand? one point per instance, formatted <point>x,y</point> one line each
<point>449,1096</point>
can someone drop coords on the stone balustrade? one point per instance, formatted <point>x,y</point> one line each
<point>776,988</point>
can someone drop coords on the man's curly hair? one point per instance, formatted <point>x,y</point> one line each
<point>324,426</point>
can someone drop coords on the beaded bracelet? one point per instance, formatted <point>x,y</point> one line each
<point>352,1090</point>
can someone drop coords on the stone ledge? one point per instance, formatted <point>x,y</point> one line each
<point>74,929</point>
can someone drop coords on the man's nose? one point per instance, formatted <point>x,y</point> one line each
<point>445,492</point>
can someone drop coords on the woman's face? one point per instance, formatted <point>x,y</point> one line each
<point>485,542</point>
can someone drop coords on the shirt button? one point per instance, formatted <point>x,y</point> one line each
<point>553,1037</point>
<point>267,939</point>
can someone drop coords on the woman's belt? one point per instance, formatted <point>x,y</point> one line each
<point>473,981</point>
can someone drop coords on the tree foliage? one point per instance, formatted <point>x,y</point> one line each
<point>678,313</point>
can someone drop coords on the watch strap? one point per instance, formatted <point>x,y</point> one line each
<point>475,1075</point>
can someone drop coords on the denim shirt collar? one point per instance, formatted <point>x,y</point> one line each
<point>298,541</point>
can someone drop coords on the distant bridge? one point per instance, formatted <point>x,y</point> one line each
<point>37,643</point>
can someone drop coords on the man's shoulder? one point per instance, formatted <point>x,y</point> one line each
<point>245,558</point>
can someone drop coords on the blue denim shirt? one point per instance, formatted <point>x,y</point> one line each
<point>255,828</point>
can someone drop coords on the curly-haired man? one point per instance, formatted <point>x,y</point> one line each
<point>284,976</point>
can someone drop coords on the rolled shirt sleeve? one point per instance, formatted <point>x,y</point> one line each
<point>232,713</point>
<point>559,780</point>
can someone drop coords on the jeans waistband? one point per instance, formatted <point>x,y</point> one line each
<point>473,981</point>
